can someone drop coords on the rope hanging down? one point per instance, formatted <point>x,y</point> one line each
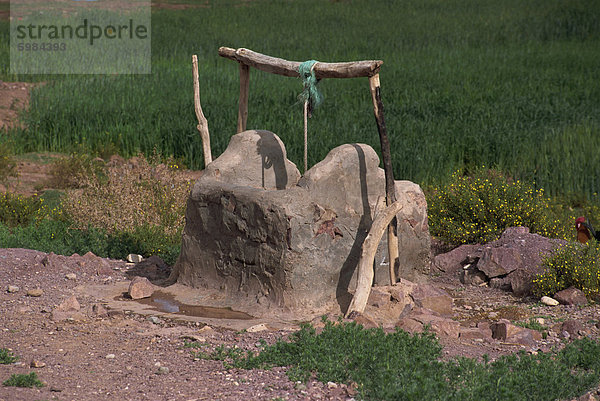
<point>310,97</point>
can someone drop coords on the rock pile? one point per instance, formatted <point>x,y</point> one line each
<point>510,263</point>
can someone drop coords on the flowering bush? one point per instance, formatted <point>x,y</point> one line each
<point>478,208</point>
<point>574,265</point>
<point>20,210</point>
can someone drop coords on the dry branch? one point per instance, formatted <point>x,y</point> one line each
<point>367,257</point>
<point>390,186</point>
<point>202,122</point>
<point>287,68</point>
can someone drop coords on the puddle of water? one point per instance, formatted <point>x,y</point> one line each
<point>163,302</point>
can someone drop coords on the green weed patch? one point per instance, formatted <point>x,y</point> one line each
<point>7,357</point>
<point>23,380</point>
<point>403,366</point>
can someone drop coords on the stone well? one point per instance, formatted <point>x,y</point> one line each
<point>260,232</point>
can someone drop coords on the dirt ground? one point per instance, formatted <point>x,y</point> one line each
<point>118,349</point>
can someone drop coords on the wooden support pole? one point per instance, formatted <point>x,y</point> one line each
<point>305,136</point>
<point>367,257</point>
<point>390,187</point>
<point>287,68</point>
<point>244,90</point>
<point>202,122</point>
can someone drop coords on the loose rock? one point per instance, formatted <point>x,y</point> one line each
<point>36,363</point>
<point>36,292</point>
<point>256,328</point>
<point>134,258</point>
<point>571,296</point>
<point>549,301</point>
<point>140,287</point>
<point>70,276</point>
<point>12,289</point>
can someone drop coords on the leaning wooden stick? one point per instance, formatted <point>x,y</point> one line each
<point>367,257</point>
<point>202,122</point>
<point>390,187</point>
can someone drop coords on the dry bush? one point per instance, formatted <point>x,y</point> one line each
<point>131,194</point>
<point>74,171</point>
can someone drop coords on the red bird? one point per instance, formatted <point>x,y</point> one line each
<point>585,231</point>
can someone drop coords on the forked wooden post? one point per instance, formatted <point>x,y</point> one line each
<point>243,103</point>
<point>202,122</point>
<point>390,187</point>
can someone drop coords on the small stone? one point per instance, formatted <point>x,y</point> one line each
<point>364,321</point>
<point>565,334</point>
<point>99,311</point>
<point>154,319</point>
<point>300,386</point>
<point>69,305</point>
<point>70,276</point>
<point>140,287</point>
<point>540,320</point>
<point>256,328</point>
<point>549,301</point>
<point>12,289</point>
<point>162,370</point>
<point>36,292</point>
<point>503,329</point>
<point>110,356</point>
<point>571,296</point>
<point>134,258</point>
<point>331,385</point>
<point>572,326</point>
<point>36,364</point>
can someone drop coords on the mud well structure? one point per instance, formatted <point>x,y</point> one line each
<point>268,237</point>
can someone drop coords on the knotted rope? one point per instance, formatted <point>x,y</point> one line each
<point>310,96</point>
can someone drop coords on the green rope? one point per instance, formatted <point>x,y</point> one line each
<point>310,93</point>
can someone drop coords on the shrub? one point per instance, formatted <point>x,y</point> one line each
<point>23,380</point>
<point>575,265</point>
<point>479,207</point>
<point>76,171</point>
<point>7,163</point>
<point>7,357</point>
<point>139,193</point>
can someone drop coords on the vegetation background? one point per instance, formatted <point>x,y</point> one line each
<point>513,85</point>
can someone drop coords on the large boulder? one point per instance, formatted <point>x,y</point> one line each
<point>253,233</point>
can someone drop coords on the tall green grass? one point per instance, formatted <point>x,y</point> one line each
<point>507,84</point>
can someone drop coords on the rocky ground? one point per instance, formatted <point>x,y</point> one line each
<point>90,351</point>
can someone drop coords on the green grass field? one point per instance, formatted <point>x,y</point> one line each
<point>507,84</point>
